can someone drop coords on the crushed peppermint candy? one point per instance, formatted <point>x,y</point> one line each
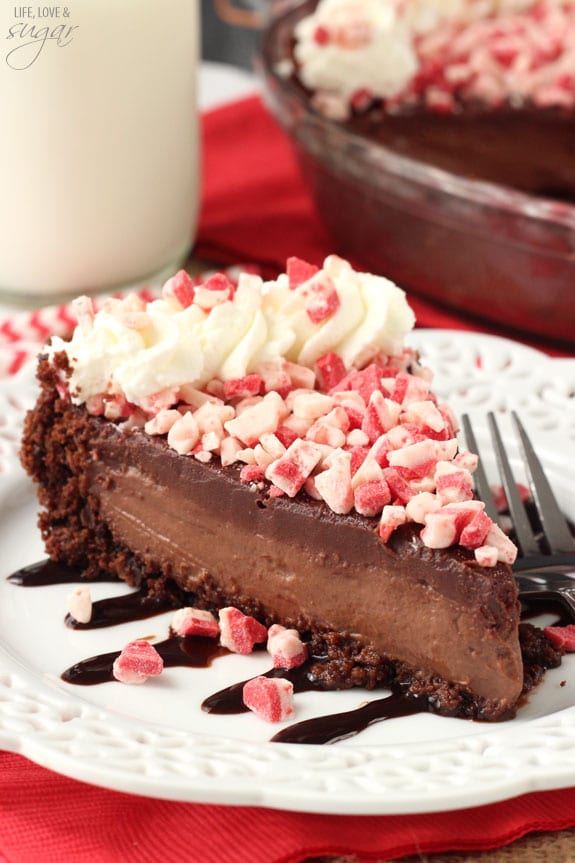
<point>286,647</point>
<point>195,621</point>
<point>80,604</point>
<point>240,632</point>
<point>562,637</point>
<point>269,698</point>
<point>365,435</point>
<point>138,661</point>
<point>354,56</point>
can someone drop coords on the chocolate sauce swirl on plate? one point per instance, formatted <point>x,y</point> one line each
<point>47,572</point>
<point>124,609</point>
<point>190,651</point>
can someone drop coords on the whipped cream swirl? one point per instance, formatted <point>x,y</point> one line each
<point>136,350</point>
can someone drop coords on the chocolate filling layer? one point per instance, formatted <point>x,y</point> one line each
<point>301,560</point>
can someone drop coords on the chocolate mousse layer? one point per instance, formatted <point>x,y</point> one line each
<point>122,501</point>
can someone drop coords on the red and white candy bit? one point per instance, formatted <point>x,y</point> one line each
<point>299,271</point>
<point>286,647</point>
<point>160,401</point>
<point>270,698</point>
<point>208,299</point>
<point>486,555</point>
<point>420,505</point>
<point>80,604</point>
<point>444,526</point>
<point>330,371</point>
<point>220,283</point>
<point>229,449</point>
<point>291,470</point>
<point>399,487</point>
<point>440,529</point>
<point>239,632</point>
<point>322,298</point>
<point>162,422</point>
<point>180,288</point>
<point>425,413</point>
<point>453,485</point>
<point>195,621</point>
<point>138,661</point>
<point>371,497</point>
<point>506,550</point>
<point>474,534</point>
<point>391,518</point>
<point>241,388</point>
<point>184,434</point>
<point>311,405</point>
<point>132,312</point>
<point>414,460</point>
<point>276,377</point>
<point>118,407</point>
<point>381,415</point>
<point>364,467</point>
<point>323,433</point>
<point>334,483</point>
<point>562,637</point>
<point>252,473</point>
<point>261,418</point>
<point>300,376</point>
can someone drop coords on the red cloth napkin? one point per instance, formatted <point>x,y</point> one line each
<point>255,209</point>
<point>53,819</point>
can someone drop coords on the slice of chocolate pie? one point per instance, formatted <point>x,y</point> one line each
<point>276,448</point>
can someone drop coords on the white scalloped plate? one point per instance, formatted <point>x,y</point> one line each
<point>155,740</point>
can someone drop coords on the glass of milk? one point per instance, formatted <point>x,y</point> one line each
<point>98,144</point>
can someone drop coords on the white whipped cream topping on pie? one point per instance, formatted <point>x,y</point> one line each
<point>378,54</point>
<point>137,352</point>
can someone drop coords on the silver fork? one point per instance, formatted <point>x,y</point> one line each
<point>547,566</point>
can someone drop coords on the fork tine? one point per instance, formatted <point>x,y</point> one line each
<point>553,522</point>
<point>523,531</point>
<point>481,482</point>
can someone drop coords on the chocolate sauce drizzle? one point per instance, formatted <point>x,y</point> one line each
<point>123,609</point>
<point>339,726</point>
<point>182,650</point>
<point>199,652</point>
<point>229,700</point>
<point>105,612</point>
<point>47,572</point>
<point>323,729</point>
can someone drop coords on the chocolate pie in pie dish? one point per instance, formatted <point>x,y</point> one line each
<point>437,139</point>
<point>277,449</point>
<point>482,89</point>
